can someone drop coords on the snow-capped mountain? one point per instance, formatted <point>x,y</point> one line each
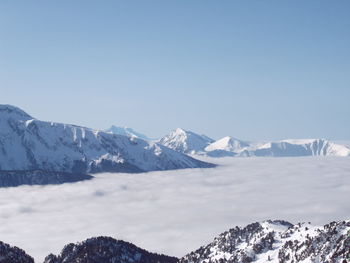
<point>30,144</point>
<point>185,141</point>
<point>106,250</point>
<point>277,241</point>
<point>128,132</point>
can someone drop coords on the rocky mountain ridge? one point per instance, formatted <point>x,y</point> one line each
<point>268,241</point>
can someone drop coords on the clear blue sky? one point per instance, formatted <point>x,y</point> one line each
<point>250,69</point>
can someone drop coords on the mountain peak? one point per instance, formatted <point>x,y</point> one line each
<point>185,141</point>
<point>179,132</point>
<point>10,110</point>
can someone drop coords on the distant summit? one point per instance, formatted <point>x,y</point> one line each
<point>185,141</point>
<point>128,132</point>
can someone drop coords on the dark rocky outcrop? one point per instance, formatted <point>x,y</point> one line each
<point>39,177</point>
<point>106,250</point>
<point>9,254</point>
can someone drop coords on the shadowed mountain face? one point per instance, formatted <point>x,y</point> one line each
<point>39,177</point>
<point>106,250</point>
<point>30,144</point>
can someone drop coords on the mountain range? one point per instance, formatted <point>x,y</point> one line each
<point>191,143</point>
<point>42,152</point>
<point>31,145</point>
<point>274,241</point>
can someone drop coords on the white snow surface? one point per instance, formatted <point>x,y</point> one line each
<point>175,212</point>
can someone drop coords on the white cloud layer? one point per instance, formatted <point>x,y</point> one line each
<point>175,212</point>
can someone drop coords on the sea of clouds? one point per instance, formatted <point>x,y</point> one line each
<point>175,212</point>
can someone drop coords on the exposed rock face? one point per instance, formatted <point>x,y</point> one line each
<point>10,254</point>
<point>277,241</point>
<point>106,250</point>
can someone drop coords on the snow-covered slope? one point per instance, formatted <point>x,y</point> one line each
<point>29,144</point>
<point>277,241</point>
<point>269,241</point>
<point>185,141</point>
<point>127,132</point>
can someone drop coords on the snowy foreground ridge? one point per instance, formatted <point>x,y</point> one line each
<point>28,144</point>
<point>268,241</point>
<point>191,143</point>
